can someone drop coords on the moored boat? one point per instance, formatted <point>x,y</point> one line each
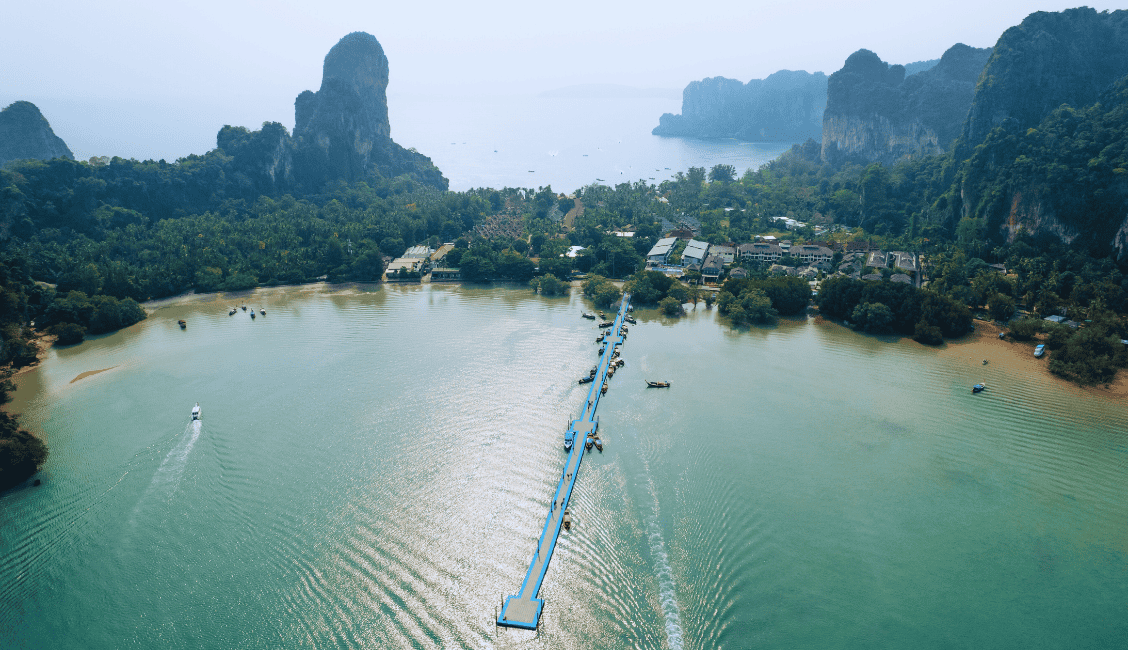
<point>233,310</point>
<point>587,380</point>
<point>252,314</point>
<point>657,384</point>
<point>978,388</point>
<point>183,324</point>
<point>599,444</point>
<point>631,320</point>
<point>588,315</point>
<point>568,519</point>
<point>1039,349</point>
<point>605,324</point>
<point>262,311</point>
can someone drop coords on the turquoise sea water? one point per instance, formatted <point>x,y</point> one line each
<point>374,465</point>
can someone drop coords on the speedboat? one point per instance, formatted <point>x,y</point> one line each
<point>196,411</point>
<point>599,444</point>
<point>1040,349</point>
<point>631,320</point>
<point>252,314</point>
<point>978,388</point>
<point>244,308</point>
<point>661,384</point>
<point>262,311</point>
<point>183,324</point>
<point>569,438</point>
<point>587,380</point>
<point>233,310</point>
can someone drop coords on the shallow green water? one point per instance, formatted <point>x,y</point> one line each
<point>374,466</point>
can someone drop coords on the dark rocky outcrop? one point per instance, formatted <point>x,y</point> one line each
<point>341,132</point>
<point>26,134</point>
<point>875,113</point>
<point>1050,59</point>
<point>787,106</point>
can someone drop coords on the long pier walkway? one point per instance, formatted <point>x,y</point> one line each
<point>524,609</point>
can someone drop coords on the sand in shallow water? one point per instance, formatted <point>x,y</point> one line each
<point>86,374</point>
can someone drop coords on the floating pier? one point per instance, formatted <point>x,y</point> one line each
<point>524,609</point>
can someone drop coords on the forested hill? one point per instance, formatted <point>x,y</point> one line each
<point>787,106</point>
<point>1051,58</point>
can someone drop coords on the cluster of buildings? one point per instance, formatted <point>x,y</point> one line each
<point>711,259</point>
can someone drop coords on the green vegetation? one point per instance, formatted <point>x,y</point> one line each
<point>549,285</point>
<point>602,291</point>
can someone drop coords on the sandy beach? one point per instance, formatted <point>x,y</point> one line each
<point>1018,357</point>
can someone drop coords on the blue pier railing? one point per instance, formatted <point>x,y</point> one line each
<point>523,610</point>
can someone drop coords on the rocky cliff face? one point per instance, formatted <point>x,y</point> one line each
<point>875,113</point>
<point>1048,60</point>
<point>25,133</point>
<point>787,106</point>
<point>342,130</point>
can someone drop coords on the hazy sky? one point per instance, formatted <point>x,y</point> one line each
<point>252,57</point>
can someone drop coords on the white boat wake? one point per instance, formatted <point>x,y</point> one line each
<point>168,474</point>
<point>667,589</point>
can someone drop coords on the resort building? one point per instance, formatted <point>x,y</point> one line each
<point>726,253</point>
<point>417,252</point>
<point>712,269</point>
<point>760,252</point>
<point>695,252</point>
<point>812,254</point>
<point>661,251</point>
<point>439,275</point>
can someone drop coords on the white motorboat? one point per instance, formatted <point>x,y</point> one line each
<point>196,411</point>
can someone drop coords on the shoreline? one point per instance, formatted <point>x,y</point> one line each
<point>1018,356</point>
<point>983,343</point>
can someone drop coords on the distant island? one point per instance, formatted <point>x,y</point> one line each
<point>787,106</point>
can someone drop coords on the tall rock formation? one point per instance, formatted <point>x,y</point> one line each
<point>1050,59</point>
<point>875,113</point>
<point>26,134</point>
<point>787,106</point>
<point>342,130</point>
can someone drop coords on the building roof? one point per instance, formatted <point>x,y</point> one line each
<point>695,249</point>
<point>722,250</point>
<point>738,273</point>
<point>712,263</point>
<point>417,252</point>
<point>662,247</point>
<point>900,277</point>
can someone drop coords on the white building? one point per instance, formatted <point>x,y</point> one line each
<point>695,252</point>
<point>661,251</point>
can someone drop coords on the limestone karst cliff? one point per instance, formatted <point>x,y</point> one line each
<point>875,113</point>
<point>787,106</point>
<point>1050,59</point>
<point>26,134</point>
<point>341,132</point>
